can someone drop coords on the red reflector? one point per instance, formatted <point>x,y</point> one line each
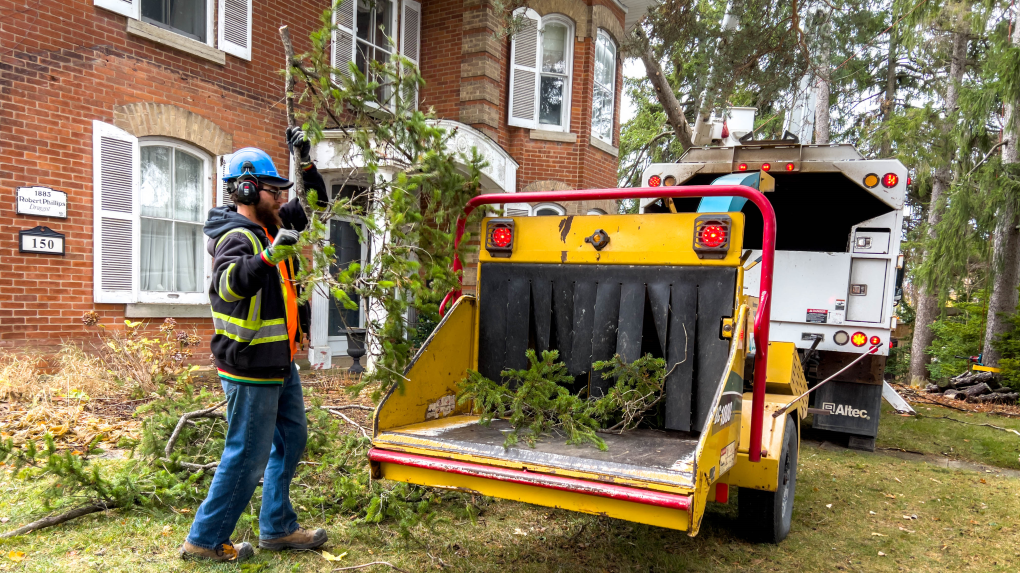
<point>766,166</point>
<point>502,237</point>
<point>790,167</point>
<point>742,167</point>
<point>875,341</point>
<point>859,339</point>
<point>713,235</point>
<point>890,180</point>
<point>654,181</point>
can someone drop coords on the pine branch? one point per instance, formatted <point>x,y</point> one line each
<point>185,418</point>
<point>60,518</point>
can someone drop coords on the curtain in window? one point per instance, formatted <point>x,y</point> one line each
<point>605,78</point>
<point>171,217</point>
<point>554,69</point>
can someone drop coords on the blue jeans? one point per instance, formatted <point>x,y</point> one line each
<point>266,435</point>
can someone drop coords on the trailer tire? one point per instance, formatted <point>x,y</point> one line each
<point>766,515</point>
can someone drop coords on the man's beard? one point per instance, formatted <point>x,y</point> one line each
<point>266,215</point>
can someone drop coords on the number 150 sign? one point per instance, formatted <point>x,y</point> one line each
<point>41,240</point>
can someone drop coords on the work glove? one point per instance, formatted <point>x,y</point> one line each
<point>299,145</point>
<point>284,238</point>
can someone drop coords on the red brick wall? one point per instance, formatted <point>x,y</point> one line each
<point>64,64</point>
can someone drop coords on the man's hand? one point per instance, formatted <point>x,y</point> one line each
<point>299,145</point>
<point>284,238</point>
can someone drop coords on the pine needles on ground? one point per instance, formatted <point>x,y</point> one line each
<point>535,401</point>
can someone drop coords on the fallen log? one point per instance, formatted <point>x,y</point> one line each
<point>998,398</point>
<point>954,394</point>
<point>976,390</point>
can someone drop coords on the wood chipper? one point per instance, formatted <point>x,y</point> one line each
<point>666,284</point>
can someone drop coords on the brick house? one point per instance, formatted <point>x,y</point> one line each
<point>131,107</point>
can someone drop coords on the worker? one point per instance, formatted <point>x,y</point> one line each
<point>255,315</point>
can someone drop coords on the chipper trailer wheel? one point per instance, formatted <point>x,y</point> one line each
<point>766,515</point>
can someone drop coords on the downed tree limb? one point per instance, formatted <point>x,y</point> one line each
<point>61,518</point>
<point>205,413</point>
<point>349,407</point>
<point>349,421</point>
<point>973,424</point>
<point>387,563</point>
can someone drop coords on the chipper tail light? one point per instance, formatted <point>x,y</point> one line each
<point>499,237</point>
<point>654,181</point>
<point>712,236</point>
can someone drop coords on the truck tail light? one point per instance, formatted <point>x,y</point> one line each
<point>712,236</point>
<point>875,341</point>
<point>499,238</point>
<point>890,180</point>
<point>766,166</point>
<point>859,339</point>
<point>742,167</point>
<point>654,181</point>
<point>790,166</point>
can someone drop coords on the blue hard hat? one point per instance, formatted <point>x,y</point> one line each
<point>254,161</point>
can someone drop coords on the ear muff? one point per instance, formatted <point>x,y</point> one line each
<point>246,187</point>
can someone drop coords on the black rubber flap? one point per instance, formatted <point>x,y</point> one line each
<point>590,312</point>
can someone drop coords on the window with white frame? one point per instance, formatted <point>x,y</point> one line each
<point>172,209</point>
<point>548,209</point>
<point>541,56</point>
<point>194,19</point>
<point>150,200</point>
<point>604,89</point>
<point>596,211</point>
<point>366,31</point>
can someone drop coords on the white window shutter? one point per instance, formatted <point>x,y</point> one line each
<point>129,8</point>
<point>116,226</point>
<point>410,38</point>
<point>524,54</point>
<point>343,36</point>
<point>235,28</point>
<point>222,193</point>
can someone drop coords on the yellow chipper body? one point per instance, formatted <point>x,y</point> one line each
<point>591,287</point>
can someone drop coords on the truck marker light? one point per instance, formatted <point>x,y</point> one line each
<point>790,167</point>
<point>909,181</point>
<point>841,337</point>
<point>875,341</point>
<point>870,180</point>
<point>499,238</point>
<point>669,181</point>
<point>859,339</point>
<point>742,167</point>
<point>890,180</point>
<point>654,181</point>
<point>766,166</point>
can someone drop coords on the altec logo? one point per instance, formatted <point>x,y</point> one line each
<point>844,410</point>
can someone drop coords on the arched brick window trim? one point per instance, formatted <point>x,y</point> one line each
<point>164,120</point>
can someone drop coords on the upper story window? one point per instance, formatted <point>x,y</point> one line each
<point>186,17</point>
<point>604,88</point>
<point>366,31</point>
<point>172,209</point>
<point>192,19</point>
<point>542,57</point>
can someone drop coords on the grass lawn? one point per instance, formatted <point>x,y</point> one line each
<point>854,512</point>
<point>928,433</point>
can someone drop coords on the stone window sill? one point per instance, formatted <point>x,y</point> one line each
<point>150,310</point>
<point>558,136</point>
<point>602,145</point>
<point>175,40</point>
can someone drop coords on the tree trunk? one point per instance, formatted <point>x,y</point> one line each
<point>889,103</point>
<point>663,91</point>
<point>822,98</point>
<point>1005,243</point>
<point>927,308</point>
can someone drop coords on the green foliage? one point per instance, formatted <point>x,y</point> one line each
<point>1009,345</point>
<point>417,187</point>
<point>535,401</point>
<point>956,334</point>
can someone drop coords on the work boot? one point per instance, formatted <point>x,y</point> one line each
<point>300,539</point>
<point>225,552</point>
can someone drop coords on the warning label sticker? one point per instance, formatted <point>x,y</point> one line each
<point>819,315</point>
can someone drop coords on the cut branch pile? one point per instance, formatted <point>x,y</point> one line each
<point>976,387</point>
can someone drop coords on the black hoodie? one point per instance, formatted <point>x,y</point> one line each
<point>251,344</point>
